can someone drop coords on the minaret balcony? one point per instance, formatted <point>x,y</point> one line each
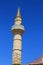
<point>18,29</point>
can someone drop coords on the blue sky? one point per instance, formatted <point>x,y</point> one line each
<point>32,39</point>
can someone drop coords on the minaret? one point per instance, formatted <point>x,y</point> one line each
<point>17,30</point>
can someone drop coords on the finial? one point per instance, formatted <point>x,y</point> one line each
<point>18,12</point>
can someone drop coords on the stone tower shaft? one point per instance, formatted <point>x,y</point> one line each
<point>17,30</point>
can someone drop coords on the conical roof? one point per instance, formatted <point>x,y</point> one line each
<point>18,13</point>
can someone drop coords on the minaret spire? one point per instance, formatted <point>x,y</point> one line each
<point>18,12</point>
<point>18,19</point>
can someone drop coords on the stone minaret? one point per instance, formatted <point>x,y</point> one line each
<point>17,30</point>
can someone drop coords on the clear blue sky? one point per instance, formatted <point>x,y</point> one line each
<point>32,43</point>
